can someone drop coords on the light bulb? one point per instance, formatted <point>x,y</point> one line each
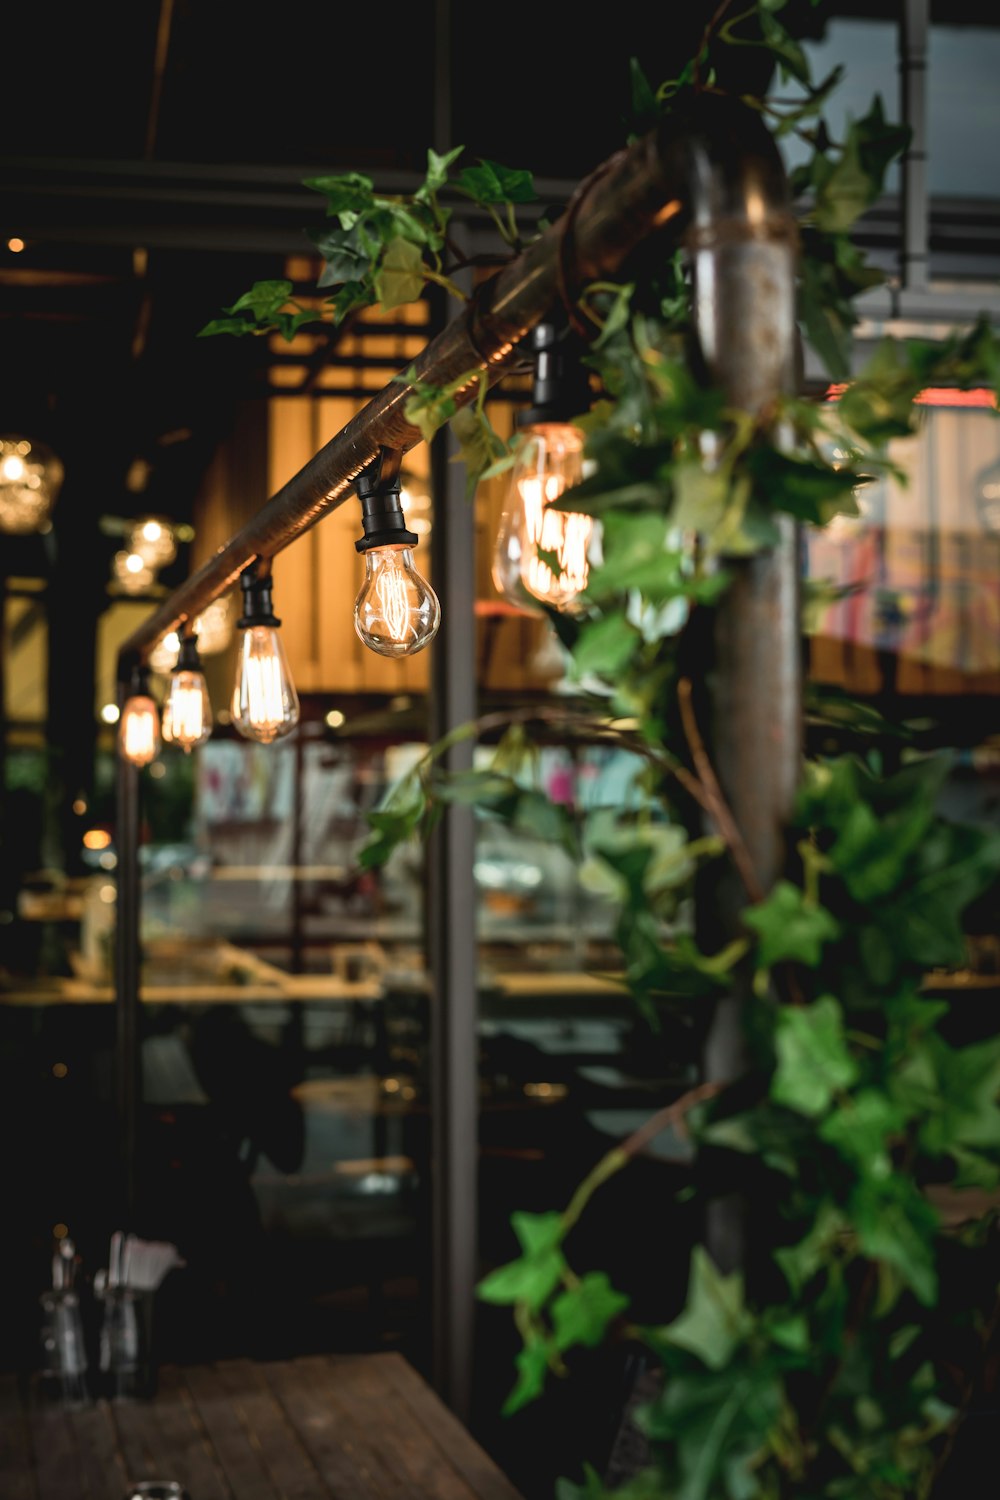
<point>30,477</point>
<point>187,712</point>
<point>154,542</point>
<point>397,612</point>
<point>550,462</point>
<point>265,704</point>
<point>139,730</point>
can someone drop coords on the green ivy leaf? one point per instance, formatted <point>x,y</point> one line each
<point>349,193</point>
<point>532,1363</point>
<point>490,183</point>
<point>237,326</point>
<point>805,488</point>
<point>479,447</point>
<point>348,259</point>
<point>815,1252</point>
<point>581,1314</point>
<point>605,646</point>
<point>400,277</point>
<point>437,172</point>
<point>530,1279</point>
<point>714,1321</point>
<point>813,1060</point>
<point>645,109</point>
<point>790,928</point>
<point>861,1128</point>
<point>533,1277</point>
<point>895,1223</point>
<point>263,300</point>
<point>537,1233</point>
<point>700,498</point>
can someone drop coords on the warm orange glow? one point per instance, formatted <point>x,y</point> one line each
<point>15,245</point>
<point>139,735</point>
<point>96,838</point>
<point>935,395</point>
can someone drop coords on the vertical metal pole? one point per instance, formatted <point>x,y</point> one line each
<point>915,257</point>
<point>128,1067</point>
<point>451,926</point>
<point>744,268</point>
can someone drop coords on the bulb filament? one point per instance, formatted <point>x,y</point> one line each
<point>391,588</point>
<point>262,682</point>
<point>188,722</point>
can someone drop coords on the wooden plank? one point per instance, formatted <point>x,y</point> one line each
<point>292,1471</point>
<point>101,1461</point>
<point>455,1442</point>
<point>232,1440</point>
<point>414,1462</point>
<point>163,1439</point>
<point>17,1480</point>
<point>328,1438</point>
<point>57,1463</point>
<point>187,1441</point>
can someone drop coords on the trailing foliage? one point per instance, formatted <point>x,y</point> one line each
<point>817,1372</point>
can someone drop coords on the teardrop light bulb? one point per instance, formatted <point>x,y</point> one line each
<point>551,462</point>
<point>187,712</point>
<point>265,704</point>
<point>139,730</point>
<point>397,612</point>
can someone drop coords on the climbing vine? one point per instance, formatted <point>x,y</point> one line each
<point>818,1370</point>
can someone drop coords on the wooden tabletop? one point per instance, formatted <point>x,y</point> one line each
<point>364,1427</point>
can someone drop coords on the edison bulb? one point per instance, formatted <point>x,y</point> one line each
<point>187,712</point>
<point>139,730</point>
<point>397,612</point>
<point>551,462</point>
<point>265,704</point>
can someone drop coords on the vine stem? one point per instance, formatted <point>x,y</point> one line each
<point>621,1155</point>
<point>716,803</point>
<point>586,730</point>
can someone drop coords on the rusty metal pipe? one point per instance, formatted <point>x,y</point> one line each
<point>692,171</point>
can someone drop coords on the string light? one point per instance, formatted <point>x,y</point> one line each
<point>542,552</point>
<point>139,725</point>
<point>187,712</point>
<point>397,612</point>
<point>265,704</point>
<point>30,479</point>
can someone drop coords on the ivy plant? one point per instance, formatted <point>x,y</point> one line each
<point>820,1370</point>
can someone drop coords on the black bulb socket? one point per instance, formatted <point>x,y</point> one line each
<point>382,510</point>
<point>560,390</point>
<point>258,605</point>
<point>188,659</point>
<point>138,682</point>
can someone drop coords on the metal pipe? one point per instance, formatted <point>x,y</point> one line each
<point>128,1064</point>
<point>743,241</point>
<point>628,199</point>
<point>913,99</point>
<point>453,953</point>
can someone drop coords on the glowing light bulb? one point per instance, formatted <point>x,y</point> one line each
<point>187,712</point>
<point>397,612</point>
<point>551,461</point>
<point>139,730</point>
<point>30,477</point>
<point>154,541</point>
<point>265,704</point>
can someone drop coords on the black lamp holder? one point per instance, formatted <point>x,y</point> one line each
<point>258,606</point>
<point>188,659</point>
<point>560,390</point>
<point>138,682</point>
<point>382,516</point>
